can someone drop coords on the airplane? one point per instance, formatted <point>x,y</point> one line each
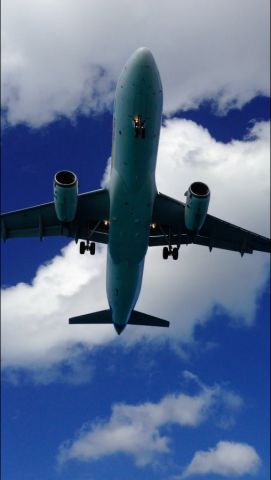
<point>130,215</point>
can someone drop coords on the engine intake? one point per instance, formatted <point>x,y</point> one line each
<point>65,195</point>
<point>197,202</point>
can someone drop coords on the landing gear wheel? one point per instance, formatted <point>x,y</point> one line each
<point>175,253</point>
<point>165,253</point>
<point>143,132</point>
<point>92,248</point>
<point>82,248</point>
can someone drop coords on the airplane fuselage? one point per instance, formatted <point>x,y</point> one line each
<point>132,184</point>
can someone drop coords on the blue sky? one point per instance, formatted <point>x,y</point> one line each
<point>146,405</point>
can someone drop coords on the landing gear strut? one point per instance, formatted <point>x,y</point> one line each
<point>88,246</point>
<point>174,252</point>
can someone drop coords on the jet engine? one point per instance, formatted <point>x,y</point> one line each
<point>65,195</point>
<point>197,201</point>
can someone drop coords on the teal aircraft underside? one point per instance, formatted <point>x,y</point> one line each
<point>130,215</point>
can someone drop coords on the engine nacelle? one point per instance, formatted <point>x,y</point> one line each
<point>65,195</point>
<point>197,202</point>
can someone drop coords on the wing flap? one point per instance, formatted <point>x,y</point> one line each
<point>222,234</point>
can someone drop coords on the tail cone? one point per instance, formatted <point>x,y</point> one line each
<point>119,328</point>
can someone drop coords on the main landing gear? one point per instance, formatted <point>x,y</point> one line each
<point>88,246</point>
<point>174,252</point>
<point>170,251</point>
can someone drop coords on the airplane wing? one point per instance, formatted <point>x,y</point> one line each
<point>41,221</point>
<point>168,218</point>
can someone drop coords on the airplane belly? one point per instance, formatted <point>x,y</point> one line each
<point>123,285</point>
<point>130,217</point>
<point>132,183</point>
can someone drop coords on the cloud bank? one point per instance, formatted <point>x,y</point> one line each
<point>139,430</point>
<point>35,330</point>
<point>61,58</point>
<point>229,459</point>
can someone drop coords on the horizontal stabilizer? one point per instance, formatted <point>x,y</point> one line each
<point>138,318</point>
<point>95,318</point>
<point>105,317</point>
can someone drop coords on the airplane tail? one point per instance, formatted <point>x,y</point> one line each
<point>104,317</point>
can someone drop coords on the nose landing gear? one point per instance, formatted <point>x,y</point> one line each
<point>87,246</point>
<point>139,126</point>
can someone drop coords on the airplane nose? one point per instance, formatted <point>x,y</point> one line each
<point>141,72</point>
<point>119,328</point>
<point>144,56</point>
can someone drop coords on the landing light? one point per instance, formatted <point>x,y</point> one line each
<point>153,225</point>
<point>106,222</point>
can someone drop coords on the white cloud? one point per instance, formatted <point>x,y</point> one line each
<point>37,333</point>
<point>35,330</point>
<point>62,57</point>
<point>135,429</point>
<point>230,459</point>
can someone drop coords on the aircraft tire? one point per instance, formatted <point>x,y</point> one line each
<point>92,248</point>
<point>175,253</point>
<point>82,248</point>
<point>165,253</point>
